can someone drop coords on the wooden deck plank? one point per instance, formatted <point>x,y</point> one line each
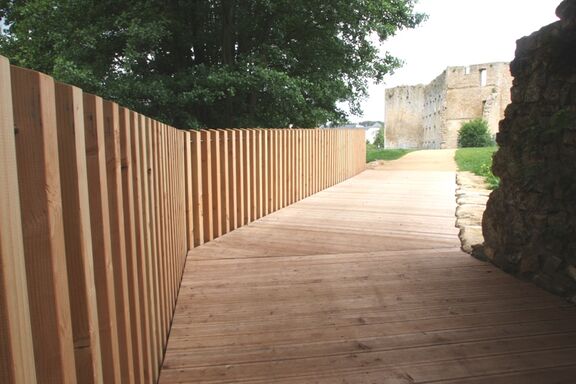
<point>363,282</point>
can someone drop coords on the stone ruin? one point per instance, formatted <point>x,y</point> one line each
<point>529,224</point>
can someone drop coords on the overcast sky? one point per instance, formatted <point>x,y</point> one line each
<point>458,32</point>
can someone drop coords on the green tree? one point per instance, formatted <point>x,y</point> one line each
<point>475,133</point>
<point>380,140</point>
<point>212,63</point>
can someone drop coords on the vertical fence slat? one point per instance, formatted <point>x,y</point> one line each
<point>240,167</point>
<point>151,200</point>
<point>42,224</point>
<point>132,260</point>
<point>78,236</point>
<point>264,149</point>
<point>117,238</point>
<point>141,251</point>
<point>271,174</point>
<point>216,184</point>
<point>259,174</point>
<point>197,189</point>
<point>16,353</point>
<point>306,161</point>
<point>255,173</point>
<point>146,174</point>
<point>233,182</point>
<point>101,247</point>
<point>162,227</point>
<point>158,255</point>
<point>189,194</point>
<point>280,168</point>
<point>249,191</point>
<point>207,185</point>
<point>224,183</point>
<point>289,176</point>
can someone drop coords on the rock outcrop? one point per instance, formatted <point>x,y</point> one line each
<point>530,222</point>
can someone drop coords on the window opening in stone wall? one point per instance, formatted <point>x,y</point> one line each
<point>483,77</point>
<point>467,70</point>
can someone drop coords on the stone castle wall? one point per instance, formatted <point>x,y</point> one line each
<point>404,117</point>
<point>433,113</point>
<point>457,95</point>
<point>529,224</point>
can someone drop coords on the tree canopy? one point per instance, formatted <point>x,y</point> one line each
<point>211,63</point>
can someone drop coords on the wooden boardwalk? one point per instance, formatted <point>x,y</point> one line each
<point>364,283</point>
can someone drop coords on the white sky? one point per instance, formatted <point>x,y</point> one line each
<point>457,32</point>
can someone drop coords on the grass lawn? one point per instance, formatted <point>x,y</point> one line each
<point>373,153</point>
<point>479,162</point>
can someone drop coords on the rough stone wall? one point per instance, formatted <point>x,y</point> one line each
<point>468,98</point>
<point>404,116</point>
<point>530,222</point>
<point>436,111</point>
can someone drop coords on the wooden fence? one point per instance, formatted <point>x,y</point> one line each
<point>98,208</point>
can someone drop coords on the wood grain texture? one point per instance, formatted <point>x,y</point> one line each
<point>126,119</point>
<point>363,283</point>
<point>33,97</point>
<point>141,243</point>
<point>207,196</point>
<point>197,188</point>
<point>118,238</point>
<point>16,349</point>
<point>101,242</point>
<point>78,235</point>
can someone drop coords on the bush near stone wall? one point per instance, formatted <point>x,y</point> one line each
<point>475,133</point>
<point>530,221</point>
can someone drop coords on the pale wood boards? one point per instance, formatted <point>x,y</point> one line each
<point>246,174</point>
<point>126,120</point>
<point>142,249</point>
<point>407,305</point>
<point>189,187</point>
<point>33,98</point>
<point>207,198</point>
<point>107,263</point>
<point>117,238</point>
<point>111,203</point>
<point>197,188</point>
<point>16,350</point>
<point>78,236</point>
<point>101,241</point>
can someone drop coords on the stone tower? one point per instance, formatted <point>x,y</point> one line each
<point>429,116</point>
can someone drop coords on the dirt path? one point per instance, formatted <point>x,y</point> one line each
<point>424,160</point>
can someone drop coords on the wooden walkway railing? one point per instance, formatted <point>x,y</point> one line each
<point>98,208</point>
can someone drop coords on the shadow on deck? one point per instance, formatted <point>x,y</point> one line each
<point>363,283</point>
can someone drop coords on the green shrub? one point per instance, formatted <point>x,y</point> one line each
<point>475,133</point>
<point>379,141</point>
